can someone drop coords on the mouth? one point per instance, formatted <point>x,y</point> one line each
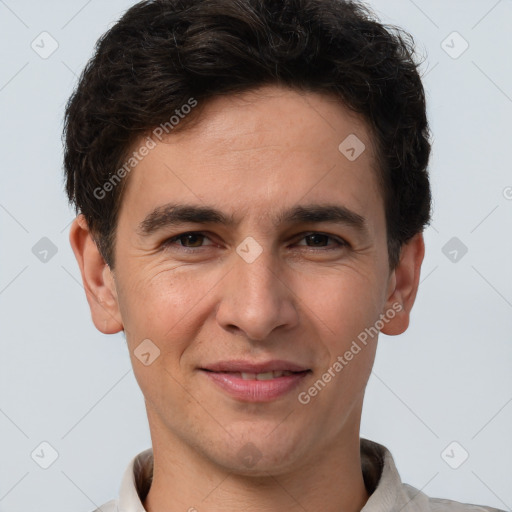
<point>254,367</point>
<point>259,376</point>
<point>256,382</point>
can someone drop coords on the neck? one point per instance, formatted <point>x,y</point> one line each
<point>185,480</point>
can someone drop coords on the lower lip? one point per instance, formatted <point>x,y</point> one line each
<point>255,390</point>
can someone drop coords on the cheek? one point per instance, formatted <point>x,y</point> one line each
<point>163,305</point>
<point>343,302</point>
<point>344,309</point>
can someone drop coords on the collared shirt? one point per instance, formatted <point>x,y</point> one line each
<point>381,478</point>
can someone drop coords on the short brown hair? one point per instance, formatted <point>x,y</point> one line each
<point>161,53</point>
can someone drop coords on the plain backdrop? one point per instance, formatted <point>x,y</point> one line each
<point>438,392</point>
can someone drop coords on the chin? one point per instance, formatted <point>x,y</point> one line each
<point>260,454</point>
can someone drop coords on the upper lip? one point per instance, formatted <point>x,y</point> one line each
<point>245,366</point>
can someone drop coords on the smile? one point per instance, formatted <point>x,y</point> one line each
<point>261,376</point>
<point>256,387</point>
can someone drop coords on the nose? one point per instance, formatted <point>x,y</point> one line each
<point>256,298</point>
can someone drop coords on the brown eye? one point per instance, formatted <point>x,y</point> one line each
<point>192,238</point>
<point>322,240</point>
<point>318,239</point>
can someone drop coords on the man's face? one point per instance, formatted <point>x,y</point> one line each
<point>265,286</point>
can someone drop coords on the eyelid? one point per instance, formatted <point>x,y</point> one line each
<point>170,241</point>
<point>340,242</point>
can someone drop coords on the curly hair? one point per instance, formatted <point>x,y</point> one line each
<point>161,53</point>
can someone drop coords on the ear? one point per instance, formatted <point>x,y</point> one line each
<point>403,285</point>
<point>97,278</point>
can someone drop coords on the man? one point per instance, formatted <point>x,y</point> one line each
<point>251,182</point>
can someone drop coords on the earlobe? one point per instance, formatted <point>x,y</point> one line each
<point>403,286</point>
<point>97,279</point>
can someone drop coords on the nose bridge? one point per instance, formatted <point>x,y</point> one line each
<point>256,300</point>
<point>255,269</point>
<point>255,275</point>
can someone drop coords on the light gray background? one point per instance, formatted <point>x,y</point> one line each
<point>448,378</point>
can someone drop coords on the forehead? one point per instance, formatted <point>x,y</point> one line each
<point>304,121</point>
<point>256,148</point>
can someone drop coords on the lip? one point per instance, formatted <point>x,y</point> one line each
<point>255,390</point>
<point>226,375</point>
<point>241,365</point>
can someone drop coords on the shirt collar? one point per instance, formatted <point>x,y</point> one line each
<point>379,471</point>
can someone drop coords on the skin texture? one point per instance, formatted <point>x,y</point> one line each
<point>253,156</point>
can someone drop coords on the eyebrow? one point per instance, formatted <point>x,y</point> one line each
<point>176,214</point>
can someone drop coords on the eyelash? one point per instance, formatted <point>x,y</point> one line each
<point>340,243</point>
